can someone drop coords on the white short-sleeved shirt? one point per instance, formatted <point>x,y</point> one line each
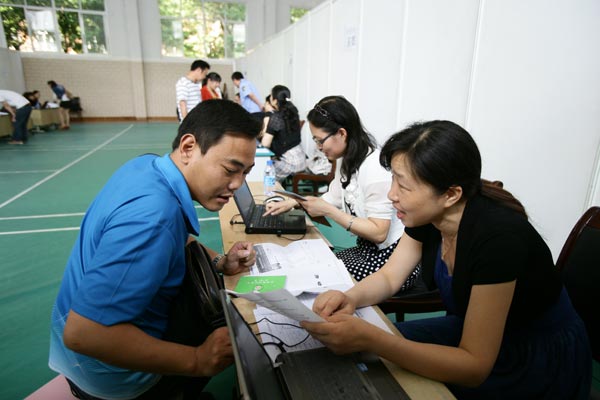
<point>366,195</point>
<point>14,99</point>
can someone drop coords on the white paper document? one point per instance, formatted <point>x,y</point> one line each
<point>310,266</point>
<point>277,328</point>
<point>282,302</point>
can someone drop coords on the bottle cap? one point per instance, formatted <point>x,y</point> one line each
<point>269,162</point>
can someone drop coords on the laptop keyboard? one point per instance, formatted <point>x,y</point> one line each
<point>330,377</point>
<point>267,221</point>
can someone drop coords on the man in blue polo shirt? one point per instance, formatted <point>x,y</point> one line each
<point>128,263</point>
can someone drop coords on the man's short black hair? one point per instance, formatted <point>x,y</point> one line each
<point>199,64</point>
<point>210,120</point>
<point>237,76</point>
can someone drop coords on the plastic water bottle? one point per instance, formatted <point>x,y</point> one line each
<point>269,178</point>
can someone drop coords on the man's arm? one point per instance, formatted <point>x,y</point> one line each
<point>183,108</point>
<point>11,111</point>
<point>126,346</point>
<point>256,100</point>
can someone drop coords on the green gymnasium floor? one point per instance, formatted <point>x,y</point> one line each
<point>45,188</point>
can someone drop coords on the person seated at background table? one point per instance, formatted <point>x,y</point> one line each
<point>356,199</point>
<point>33,99</point>
<point>282,133</point>
<point>63,96</point>
<point>210,86</point>
<point>511,331</point>
<point>126,268</point>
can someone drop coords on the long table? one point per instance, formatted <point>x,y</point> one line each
<point>416,386</point>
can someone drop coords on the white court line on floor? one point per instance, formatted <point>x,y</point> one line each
<point>73,228</point>
<point>77,214</point>
<point>42,216</point>
<point>39,171</point>
<point>29,189</point>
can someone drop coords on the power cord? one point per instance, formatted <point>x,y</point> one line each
<point>232,220</point>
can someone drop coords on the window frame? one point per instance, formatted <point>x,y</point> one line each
<point>182,19</point>
<point>54,9</point>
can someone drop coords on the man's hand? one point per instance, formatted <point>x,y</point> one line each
<point>215,354</point>
<point>241,256</point>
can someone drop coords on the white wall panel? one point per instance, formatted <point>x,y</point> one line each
<point>319,60</point>
<point>301,61</point>
<point>377,84</point>
<point>345,31</point>
<point>535,108</point>
<point>437,60</point>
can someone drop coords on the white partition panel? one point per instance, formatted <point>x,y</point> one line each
<point>535,105</point>
<point>380,45</point>
<point>437,60</point>
<point>343,70</point>
<point>288,59</point>
<point>320,54</point>
<point>301,61</point>
<point>521,76</point>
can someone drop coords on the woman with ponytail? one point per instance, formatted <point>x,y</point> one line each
<point>510,331</point>
<point>282,133</point>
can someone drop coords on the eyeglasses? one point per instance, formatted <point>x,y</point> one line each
<point>320,142</point>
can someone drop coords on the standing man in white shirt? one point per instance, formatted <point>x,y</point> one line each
<point>188,88</point>
<point>19,108</point>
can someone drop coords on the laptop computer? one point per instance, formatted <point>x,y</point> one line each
<point>305,374</point>
<point>291,222</point>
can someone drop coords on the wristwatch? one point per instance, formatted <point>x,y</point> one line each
<point>218,258</point>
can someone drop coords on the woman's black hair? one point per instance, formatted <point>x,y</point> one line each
<point>443,154</point>
<point>287,109</point>
<point>334,112</point>
<point>211,76</point>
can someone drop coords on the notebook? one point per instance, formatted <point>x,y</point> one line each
<point>291,222</point>
<point>305,374</point>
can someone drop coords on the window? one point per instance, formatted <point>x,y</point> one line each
<point>198,28</point>
<point>297,13</point>
<point>69,26</point>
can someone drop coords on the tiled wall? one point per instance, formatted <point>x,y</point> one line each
<point>114,88</point>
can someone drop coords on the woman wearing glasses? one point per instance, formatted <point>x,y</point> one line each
<point>357,197</point>
<point>282,133</point>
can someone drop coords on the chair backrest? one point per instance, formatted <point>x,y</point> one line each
<point>314,180</point>
<point>579,265</point>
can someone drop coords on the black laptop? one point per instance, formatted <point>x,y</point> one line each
<point>305,374</point>
<point>291,222</point>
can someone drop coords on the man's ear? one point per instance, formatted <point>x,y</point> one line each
<point>453,195</point>
<point>187,144</point>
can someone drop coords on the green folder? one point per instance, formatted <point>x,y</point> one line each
<point>260,284</point>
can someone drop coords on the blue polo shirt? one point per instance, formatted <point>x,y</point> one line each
<point>246,87</point>
<point>126,266</point>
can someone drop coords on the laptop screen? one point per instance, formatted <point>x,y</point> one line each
<point>257,379</point>
<point>244,201</point>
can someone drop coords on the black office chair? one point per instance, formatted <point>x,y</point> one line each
<point>579,267</point>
